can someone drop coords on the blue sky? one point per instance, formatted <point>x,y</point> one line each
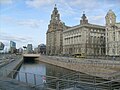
<point>26,21</point>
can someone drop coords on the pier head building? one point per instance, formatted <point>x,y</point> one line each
<point>54,35</point>
<point>85,38</point>
<point>112,34</point>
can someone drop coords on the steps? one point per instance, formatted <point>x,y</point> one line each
<point>85,82</point>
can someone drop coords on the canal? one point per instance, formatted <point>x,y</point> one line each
<point>33,72</point>
<point>45,75</point>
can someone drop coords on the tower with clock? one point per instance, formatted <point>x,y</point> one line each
<point>110,18</point>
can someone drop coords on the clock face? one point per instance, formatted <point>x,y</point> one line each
<point>56,18</point>
<point>110,19</point>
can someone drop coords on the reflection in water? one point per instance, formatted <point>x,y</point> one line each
<point>34,67</point>
<point>31,72</point>
<point>34,70</point>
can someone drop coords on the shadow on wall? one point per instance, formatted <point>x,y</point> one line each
<point>30,59</point>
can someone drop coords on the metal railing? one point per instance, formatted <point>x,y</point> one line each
<point>65,82</point>
<point>103,64</point>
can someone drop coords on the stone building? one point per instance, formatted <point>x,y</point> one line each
<point>54,39</point>
<point>42,49</point>
<point>85,38</point>
<point>112,35</point>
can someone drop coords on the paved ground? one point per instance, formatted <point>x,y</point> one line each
<point>10,84</point>
<point>10,66</point>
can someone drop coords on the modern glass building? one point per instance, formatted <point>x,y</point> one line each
<point>12,47</point>
<point>29,48</point>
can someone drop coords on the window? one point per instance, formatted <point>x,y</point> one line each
<point>110,21</point>
<point>113,33</point>
<point>91,30</point>
<point>113,36</point>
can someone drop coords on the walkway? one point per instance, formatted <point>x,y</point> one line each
<point>11,66</point>
<point>10,84</point>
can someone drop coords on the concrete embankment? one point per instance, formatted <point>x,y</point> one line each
<point>14,65</point>
<point>10,84</point>
<point>84,68</point>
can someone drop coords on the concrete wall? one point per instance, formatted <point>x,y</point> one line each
<point>7,69</point>
<point>101,70</point>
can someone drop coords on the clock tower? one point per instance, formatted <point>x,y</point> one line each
<point>112,34</point>
<point>110,18</point>
<point>54,34</point>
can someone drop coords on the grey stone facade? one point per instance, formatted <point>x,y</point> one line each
<point>85,38</point>
<point>54,43</point>
<point>112,35</point>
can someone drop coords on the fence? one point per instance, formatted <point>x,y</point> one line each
<point>104,57</point>
<point>65,82</point>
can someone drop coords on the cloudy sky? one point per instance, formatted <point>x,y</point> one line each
<point>26,21</point>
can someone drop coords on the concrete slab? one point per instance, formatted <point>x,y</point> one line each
<point>10,84</point>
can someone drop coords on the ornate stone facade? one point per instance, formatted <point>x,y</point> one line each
<point>112,35</point>
<point>54,39</point>
<point>84,38</point>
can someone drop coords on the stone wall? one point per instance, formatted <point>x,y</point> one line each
<point>103,70</point>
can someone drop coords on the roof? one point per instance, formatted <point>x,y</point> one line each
<point>117,24</point>
<point>42,45</point>
<point>85,25</point>
<point>110,12</point>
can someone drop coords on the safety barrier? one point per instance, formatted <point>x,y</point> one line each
<point>65,82</point>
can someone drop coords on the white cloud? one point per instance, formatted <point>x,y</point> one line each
<point>7,19</point>
<point>95,4</point>
<point>94,9</point>
<point>38,3</point>
<point>99,19</point>
<point>6,1</point>
<point>66,7</point>
<point>20,40</point>
<point>85,3</point>
<point>30,23</point>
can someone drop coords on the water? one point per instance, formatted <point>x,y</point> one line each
<point>36,72</point>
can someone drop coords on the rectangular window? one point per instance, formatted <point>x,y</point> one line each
<point>114,38</point>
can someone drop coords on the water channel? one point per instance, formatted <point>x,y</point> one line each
<point>35,71</point>
<point>40,74</point>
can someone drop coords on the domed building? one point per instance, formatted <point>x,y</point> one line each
<point>42,48</point>
<point>54,40</point>
<point>112,34</point>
